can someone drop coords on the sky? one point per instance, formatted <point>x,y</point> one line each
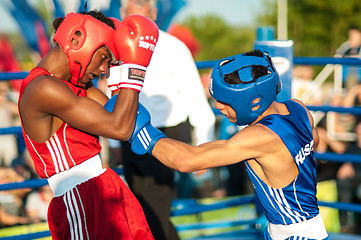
<point>234,12</point>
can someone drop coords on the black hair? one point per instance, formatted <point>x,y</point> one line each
<point>94,13</point>
<point>354,27</point>
<point>257,71</point>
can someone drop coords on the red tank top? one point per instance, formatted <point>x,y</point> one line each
<point>67,147</point>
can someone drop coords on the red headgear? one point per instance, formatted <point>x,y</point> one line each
<point>116,21</point>
<point>93,35</point>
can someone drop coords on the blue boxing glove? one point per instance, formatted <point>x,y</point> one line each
<point>144,136</point>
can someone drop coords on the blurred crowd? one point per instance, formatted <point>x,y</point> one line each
<point>339,133</point>
<point>18,206</point>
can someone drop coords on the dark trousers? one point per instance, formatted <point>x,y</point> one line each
<point>153,184</point>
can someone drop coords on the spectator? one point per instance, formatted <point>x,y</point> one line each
<point>303,86</point>
<point>8,115</point>
<point>339,125</point>
<point>174,95</point>
<point>351,48</point>
<point>12,201</point>
<point>327,170</point>
<point>184,34</point>
<point>23,167</point>
<point>349,181</point>
<point>37,203</point>
<point>352,99</point>
<point>305,89</point>
<point>326,177</point>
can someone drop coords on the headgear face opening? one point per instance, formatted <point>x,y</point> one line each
<point>250,98</point>
<point>91,34</point>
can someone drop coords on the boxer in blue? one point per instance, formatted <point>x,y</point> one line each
<point>276,145</point>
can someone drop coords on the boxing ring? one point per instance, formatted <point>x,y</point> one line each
<point>251,225</point>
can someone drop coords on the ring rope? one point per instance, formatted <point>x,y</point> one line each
<point>210,63</point>
<point>13,75</point>
<point>11,130</point>
<point>28,236</point>
<point>187,227</point>
<point>180,208</point>
<point>185,209</point>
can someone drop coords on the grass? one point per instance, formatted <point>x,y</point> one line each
<point>243,212</point>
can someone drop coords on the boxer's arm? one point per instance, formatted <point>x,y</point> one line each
<point>172,153</point>
<point>50,97</point>
<point>251,143</point>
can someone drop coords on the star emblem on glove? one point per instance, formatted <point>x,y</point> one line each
<point>147,42</point>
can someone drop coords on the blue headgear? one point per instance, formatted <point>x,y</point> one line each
<point>243,97</point>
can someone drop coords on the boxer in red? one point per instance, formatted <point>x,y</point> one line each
<point>62,116</point>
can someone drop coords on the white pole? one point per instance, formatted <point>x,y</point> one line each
<point>282,19</point>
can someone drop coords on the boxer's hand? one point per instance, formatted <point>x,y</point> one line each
<point>144,136</point>
<point>113,80</point>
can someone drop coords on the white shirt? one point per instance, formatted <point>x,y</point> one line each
<point>173,90</point>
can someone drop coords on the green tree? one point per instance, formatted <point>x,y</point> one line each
<point>218,39</point>
<point>317,27</point>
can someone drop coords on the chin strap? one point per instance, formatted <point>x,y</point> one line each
<point>76,74</point>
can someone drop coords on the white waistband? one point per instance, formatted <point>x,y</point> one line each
<point>64,181</point>
<point>312,228</point>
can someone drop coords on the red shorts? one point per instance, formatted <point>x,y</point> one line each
<point>100,208</point>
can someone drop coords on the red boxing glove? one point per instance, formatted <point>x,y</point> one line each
<point>135,40</point>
